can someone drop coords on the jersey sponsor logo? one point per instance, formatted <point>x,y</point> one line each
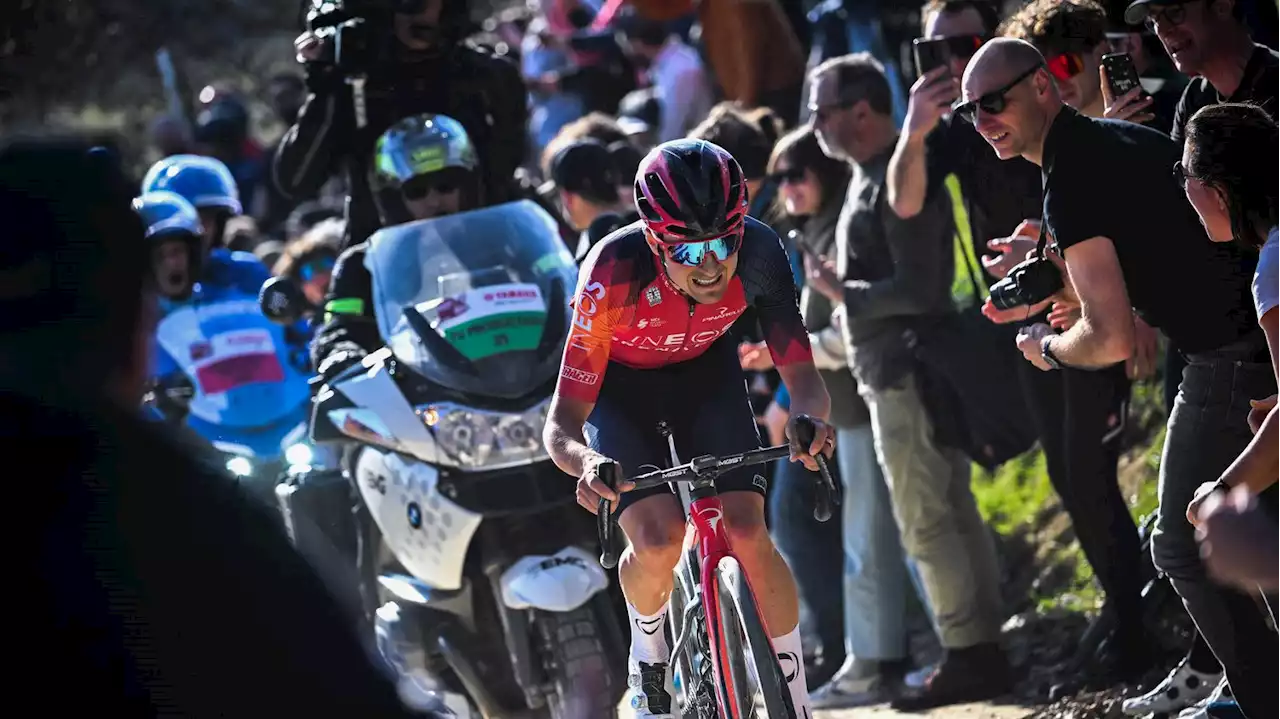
<point>231,360</point>
<point>576,375</point>
<point>588,305</point>
<point>724,313</point>
<point>654,322</point>
<point>674,341</point>
<point>653,295</point>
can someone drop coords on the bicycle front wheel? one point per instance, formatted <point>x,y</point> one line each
<point>752,685</point>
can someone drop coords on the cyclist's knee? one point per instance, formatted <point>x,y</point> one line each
<point>656,535</point>
<point>744,523</point>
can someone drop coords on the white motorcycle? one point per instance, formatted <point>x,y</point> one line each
<point>493,596</point>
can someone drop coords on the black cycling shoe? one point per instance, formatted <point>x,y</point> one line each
<point>648,690</point>
<point>972,674</point>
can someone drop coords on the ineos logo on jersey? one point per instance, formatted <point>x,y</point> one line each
<point>588,305</point>
<point>671,342</point>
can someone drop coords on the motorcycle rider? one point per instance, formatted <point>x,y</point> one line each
<point>692,264</point>
<point>207,184</point>
<point>423,167</point>
<point>430,70</point>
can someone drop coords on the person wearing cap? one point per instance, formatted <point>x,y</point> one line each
<point>155,583</point>
<point>423,167</point>
<point>582,173</point>
<point>1209,40</point>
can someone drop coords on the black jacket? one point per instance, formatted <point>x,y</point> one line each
<point>471,84</point>
<point>349,330</point>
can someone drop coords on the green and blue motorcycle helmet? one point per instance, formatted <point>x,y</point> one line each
<point>420,154</point>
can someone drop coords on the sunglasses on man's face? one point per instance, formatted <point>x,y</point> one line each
<point>1065,66</point>
<point>787,176</point>
<point>692,254</point>
<point>1171,15</point>
<point>315,268</point>
<point>992,103</point>
<point>963,46</point>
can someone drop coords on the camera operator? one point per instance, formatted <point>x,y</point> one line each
<point>1113,211</point>
<point>424,67</point>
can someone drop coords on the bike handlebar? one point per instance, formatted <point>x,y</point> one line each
<point>699,468</point>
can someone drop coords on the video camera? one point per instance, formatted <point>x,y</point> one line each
<point>358,32</point>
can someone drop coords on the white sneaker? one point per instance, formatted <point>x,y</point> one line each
<point>854,685</point>
<point>1221,694</point>
<point>1183,687</point>
<point>649,693</point>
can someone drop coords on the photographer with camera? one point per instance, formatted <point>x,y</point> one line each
<point>372,62</point>
<point>1115,215</point>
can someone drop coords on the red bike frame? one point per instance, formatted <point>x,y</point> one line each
<point>707,516</point>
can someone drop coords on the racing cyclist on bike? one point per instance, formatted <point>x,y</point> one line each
<point>654,305</point>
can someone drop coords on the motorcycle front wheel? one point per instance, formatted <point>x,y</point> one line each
<point>578,665</point>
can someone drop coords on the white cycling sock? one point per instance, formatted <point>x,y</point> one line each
<point>649,636</point>
<point>791,660</point>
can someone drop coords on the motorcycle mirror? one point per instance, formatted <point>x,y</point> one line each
<point>282,301</point>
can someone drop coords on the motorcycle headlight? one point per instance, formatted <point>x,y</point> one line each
<point>479,439</point>
<point>299,454</point>
<point>240,466</point>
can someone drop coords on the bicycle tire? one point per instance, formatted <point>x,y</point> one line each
<point>745,646</point>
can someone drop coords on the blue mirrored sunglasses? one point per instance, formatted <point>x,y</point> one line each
<point>692,254</point>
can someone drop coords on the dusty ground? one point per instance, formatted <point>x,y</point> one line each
<point>966,711</point>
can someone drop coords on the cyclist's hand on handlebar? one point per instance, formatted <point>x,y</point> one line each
<point>824,441</point>
<point>591,488</point>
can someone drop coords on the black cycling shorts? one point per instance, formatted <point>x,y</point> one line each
<point>703,400</point>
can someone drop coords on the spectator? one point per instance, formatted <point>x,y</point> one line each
<point>222,132</point>
<point>596,126</point>
<point>286,92</point>
<point>729,127</point>
<point>308,215</point>
<point>679,81</point>
<point>841,27</point>
<point>1209,41</point>
<point>123,534</point>
<point>889,275</point>
<point>583,174</point>
<point>626,161</point>
<point>543,53</point>
<point>1235,195</point>
<point>640,115</point>
<point>1110,206</point>
<point>1155,70</point>
<point>734,37</point>
<point>309,261</point>
<point>427,69</point>
<point>170,135</point>
<point>811,190</point>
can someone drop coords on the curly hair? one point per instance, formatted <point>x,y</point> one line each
<point>323,239</point>
<point>1226,146</point>
<point>1058,27</point>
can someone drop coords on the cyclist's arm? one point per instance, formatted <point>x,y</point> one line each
<point>768,273</point>
<point>586,355</point>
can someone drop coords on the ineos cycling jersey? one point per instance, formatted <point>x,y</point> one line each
<point>627,310</point>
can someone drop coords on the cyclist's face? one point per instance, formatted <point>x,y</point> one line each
<point>171,263</point>
<point>708,281</point>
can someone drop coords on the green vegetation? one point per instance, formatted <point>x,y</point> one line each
<point>1018,501</point>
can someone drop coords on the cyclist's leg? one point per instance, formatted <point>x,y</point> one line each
<point>624,427</point>
<point>722,423</point>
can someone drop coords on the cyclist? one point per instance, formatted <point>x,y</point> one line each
<point>424,167</point>
<point>208,185</point>
<point>654,305</point>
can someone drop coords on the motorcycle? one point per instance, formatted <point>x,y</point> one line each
<point>489,589</point>
<point>245,380</point>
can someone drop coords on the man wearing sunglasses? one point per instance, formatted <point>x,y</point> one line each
<point>893,276</point>
<point>1127,244</point>
<point>1209,41</point>
<point>423,167</point>
<point>651,343</point>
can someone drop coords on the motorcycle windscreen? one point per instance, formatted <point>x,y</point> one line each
<point>478,301</point>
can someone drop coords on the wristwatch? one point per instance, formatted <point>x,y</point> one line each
<point>1047,353</point>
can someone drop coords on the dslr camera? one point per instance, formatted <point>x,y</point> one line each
<point>1028,283</point>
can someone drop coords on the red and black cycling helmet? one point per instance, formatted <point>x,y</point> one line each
<point>690,191</point>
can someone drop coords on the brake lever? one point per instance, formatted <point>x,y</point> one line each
<point>827,494</point>
<point>605,526</point>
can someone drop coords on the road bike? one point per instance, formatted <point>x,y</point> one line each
<point>721,653</point>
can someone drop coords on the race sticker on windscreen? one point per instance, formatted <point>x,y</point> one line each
<point>487,321</point>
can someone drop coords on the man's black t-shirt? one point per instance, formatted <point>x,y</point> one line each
<point>1258,86</point>
<point>998,194</point>
<point>1106,178</point>
<point>149,587</point>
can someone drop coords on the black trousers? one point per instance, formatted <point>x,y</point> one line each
<point>1079,415</point>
